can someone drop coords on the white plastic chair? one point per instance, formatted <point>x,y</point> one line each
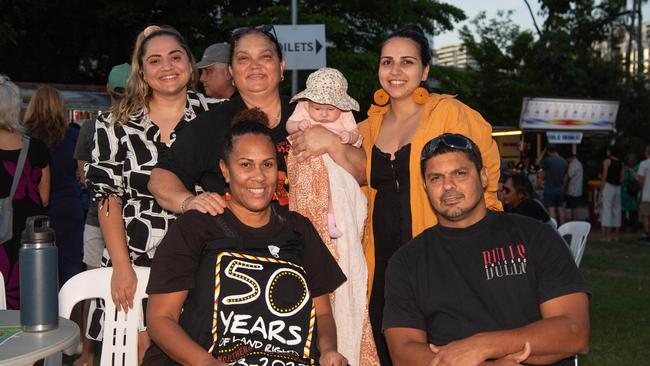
<point>578,230</point>
<point>120,344</point>
<point>3,295</point>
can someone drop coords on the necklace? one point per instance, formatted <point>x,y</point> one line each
<point>272,121</point>
<point>276,120</point>
<point>278,117</point>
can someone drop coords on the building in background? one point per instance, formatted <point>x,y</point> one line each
<point>617,50</point>
<point>453,56</point>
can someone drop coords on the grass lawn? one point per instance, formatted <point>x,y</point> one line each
<point>618,274</point>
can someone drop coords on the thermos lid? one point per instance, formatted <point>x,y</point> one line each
<point>38,231</point>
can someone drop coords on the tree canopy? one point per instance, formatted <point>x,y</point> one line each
<point>73,41</point>
<point>559,61</point>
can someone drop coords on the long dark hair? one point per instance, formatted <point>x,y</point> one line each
<point>46,117</point>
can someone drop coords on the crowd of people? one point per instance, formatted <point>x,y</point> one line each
<point>552,191</point>
<point>279,231</point>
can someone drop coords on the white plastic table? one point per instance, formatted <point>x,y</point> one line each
<point>26,348</point>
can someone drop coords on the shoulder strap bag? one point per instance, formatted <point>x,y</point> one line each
<point>6,205</point>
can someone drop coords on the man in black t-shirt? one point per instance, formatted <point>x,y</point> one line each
<point>482,286</point>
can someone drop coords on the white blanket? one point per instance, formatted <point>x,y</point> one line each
<point>350,210</point>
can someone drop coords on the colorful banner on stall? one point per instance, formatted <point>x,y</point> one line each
<point>568,114</point>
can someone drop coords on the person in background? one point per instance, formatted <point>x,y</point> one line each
<point>644,182</point>
<point>404,117</point>
<point>630,194</point>
<point>527,167</point>
<point>482,287</point>
<point>159,103</point>
<point>554,169</point>
<point>521,198</point>
<point>612,177</point>
<point>33,191</point>
<point>216,78</point>
<point>47,120</point>
<point>500,192</point>
<point>199,312</point>
<point>574,185</point>
<point>93,239</point>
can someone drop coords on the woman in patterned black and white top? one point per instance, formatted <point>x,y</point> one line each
<point>129,140</point>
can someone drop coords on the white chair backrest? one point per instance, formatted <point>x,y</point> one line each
<point>120,331</point>
<point>578,230</point>
<point>3,295</point>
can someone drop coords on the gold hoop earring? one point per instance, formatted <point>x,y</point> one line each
<point>420,95</point>
<point>381,98</point>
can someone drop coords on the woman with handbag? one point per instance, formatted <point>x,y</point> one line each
<point>24,184</point>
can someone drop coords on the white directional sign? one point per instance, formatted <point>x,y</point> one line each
<point>303,45</point>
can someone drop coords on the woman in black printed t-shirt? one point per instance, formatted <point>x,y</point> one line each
<point>254,283</point>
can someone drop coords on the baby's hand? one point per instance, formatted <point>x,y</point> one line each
<point>347,137</point>
<point>344,137</point>
<point>304,124</point>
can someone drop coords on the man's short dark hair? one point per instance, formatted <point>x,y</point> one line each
<point>550,148</point>
<point>451,142</point>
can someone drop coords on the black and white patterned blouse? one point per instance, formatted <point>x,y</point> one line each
<point>122,160</point>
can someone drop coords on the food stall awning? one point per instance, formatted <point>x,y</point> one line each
<point>579,115</point>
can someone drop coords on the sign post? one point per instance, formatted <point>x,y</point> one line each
<point>294,23</point>
<point>303,47</point>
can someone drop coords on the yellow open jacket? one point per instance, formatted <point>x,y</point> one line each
<point>442,114</point>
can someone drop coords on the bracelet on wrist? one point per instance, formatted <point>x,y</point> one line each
<point>185,201</point>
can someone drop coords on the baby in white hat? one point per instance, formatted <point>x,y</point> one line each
<point>326,102</point>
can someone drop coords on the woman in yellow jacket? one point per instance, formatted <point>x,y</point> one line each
<point>402,120</point>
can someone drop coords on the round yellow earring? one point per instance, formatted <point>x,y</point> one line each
<point>420,95</point>
<point>381,98</point>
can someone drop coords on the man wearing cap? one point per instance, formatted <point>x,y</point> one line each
<point>215,77</point>
<point>481,287</point>
<point>93,239</point>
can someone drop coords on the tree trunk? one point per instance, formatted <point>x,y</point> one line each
<point>630,37</point>
<point>639,42</point>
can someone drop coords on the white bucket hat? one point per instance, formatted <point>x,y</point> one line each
<point>328,86</point>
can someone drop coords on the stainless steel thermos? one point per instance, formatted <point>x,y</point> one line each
<point>39,285</point>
